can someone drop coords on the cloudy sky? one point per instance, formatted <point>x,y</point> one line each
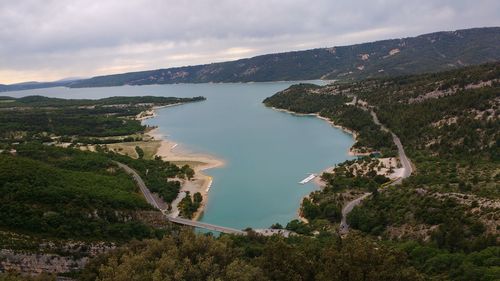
<point>53,39</point>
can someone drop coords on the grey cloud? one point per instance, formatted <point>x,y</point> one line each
<point>47,40</point>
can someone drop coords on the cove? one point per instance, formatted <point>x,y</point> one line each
<point>267,152</point>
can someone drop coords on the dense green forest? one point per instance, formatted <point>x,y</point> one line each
<point>186,256</point>
<point>67,193</point>
<point>448,124</point>
<point>42,118</point>
<point>309,98</point>
<point>424,53</point>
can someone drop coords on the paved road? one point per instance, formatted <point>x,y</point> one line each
<point>344,227</point>
<point>405,162</point>
<point>145,191</point>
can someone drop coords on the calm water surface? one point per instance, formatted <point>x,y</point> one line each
<point>266,152</point>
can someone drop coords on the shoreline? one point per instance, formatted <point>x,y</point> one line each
<point>170,151</point>
<point>354,134</point>
<point>318,182</point>
<point>151,113</point>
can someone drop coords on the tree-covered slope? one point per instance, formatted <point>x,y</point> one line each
<point>309,98</point>
<point>61,205</point>
<point>195,257</point>
<point>449,207</point>
<point>53,192</point>
<point>448,117</point>
<point>424,53</point>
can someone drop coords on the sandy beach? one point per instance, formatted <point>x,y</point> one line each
<point>151,113</point>
<point>170,151</point>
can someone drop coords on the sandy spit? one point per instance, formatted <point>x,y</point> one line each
<point>169,151</point>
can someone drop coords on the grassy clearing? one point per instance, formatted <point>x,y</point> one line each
<point>128,148</point>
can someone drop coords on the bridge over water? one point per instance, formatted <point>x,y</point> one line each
<point>207,226</point>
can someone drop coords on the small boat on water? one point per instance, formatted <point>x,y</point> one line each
<point>308,179</point>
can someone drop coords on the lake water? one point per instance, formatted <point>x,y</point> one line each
<point>267,152</point>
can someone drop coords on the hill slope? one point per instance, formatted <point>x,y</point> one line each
<point>424,53</point>
<point>448,124</point>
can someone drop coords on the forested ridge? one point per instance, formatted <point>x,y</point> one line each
<point>448,123</point>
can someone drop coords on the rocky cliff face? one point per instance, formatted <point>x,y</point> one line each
<point>51,258</point>
<point>30,255</point>
<point>39,263</point>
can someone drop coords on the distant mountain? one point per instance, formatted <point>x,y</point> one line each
<point>413,55</point>
<point>33,85</point>
<point>70,79</point>
<point>425,53</point>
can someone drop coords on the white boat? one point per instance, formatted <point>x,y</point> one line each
<point>308,179</point>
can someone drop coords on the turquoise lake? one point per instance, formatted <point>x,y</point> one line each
<point>267,152</point>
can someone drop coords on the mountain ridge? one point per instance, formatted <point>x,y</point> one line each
<point>428,52</point>
<point>431,52</point>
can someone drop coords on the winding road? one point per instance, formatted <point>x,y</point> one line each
<point>405,163</point>
<point>344,227</point>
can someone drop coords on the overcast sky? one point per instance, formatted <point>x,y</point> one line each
<point>49,40</point>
